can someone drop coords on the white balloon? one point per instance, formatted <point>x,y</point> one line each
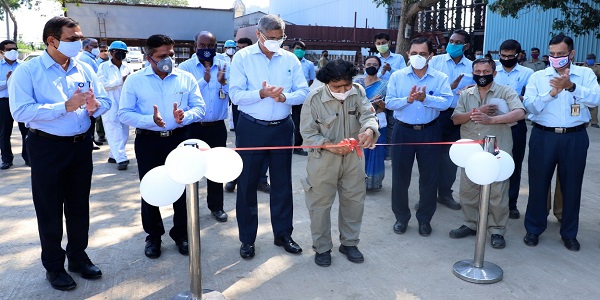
<point>158,189</point>
<point>507,165</point>
<point>460,153</point>
<point>224,164</point>
<point>200,143</point>
<point>482,168</point>
<point>186,165</point>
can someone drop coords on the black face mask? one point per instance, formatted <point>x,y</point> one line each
<point>509,63</point>
<point>483,80</point>
<point>119,55</point>
<point>371,71</point>
<point>206,54</point>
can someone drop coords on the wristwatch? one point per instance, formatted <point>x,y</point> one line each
<point>572,88</point>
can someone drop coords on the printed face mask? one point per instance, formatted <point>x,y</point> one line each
<point>483,80</point>
<point>206,54</point>
<point>164,65</point>
<point>559,62</point>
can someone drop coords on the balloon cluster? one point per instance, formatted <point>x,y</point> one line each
<point>188,163</point>
<point>480,166</point>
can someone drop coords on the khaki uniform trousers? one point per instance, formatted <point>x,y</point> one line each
<point>557,208</point>
<point>498,208</point>
<point>329,173</point>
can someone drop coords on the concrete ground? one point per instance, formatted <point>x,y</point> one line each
<point>404,266</point>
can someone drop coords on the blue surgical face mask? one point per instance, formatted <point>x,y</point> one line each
<point>478,56</point>
<point>455,50</point>
<point>590,62</point>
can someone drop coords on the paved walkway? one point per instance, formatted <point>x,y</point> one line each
<point>396,266</point>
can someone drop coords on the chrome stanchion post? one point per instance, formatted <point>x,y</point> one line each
<point>193,227</point>
<point>477,270</point>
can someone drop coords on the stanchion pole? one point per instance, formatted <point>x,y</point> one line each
<point>193,227</point>
<point>477,270</point>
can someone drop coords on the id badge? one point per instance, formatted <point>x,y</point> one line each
<point>575,110</point>
<point>221,94</point>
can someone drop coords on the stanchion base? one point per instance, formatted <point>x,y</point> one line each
<point>206,295</point>
<point>488,273</point>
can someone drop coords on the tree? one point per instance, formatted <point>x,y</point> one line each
<point>8,6</point>
<point>408,12</point>
<point>579,16</point>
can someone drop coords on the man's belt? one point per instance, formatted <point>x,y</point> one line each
<point>211,124</point>
<point>74,139</point>
<point>164,133</point>
<point>560,129</point>
<point>261,122</point>
<point>416,126</point>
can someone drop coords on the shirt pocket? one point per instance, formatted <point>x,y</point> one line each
<point>181,98</point>
<point>326,122</point>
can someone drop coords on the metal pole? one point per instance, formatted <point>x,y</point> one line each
<point>478,270</point>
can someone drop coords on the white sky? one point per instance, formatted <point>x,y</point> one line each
<point>31,22</point>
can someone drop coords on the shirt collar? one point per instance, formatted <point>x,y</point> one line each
<point>464,60</point>
<point>255,49</point>
<point>474,89</point>
<point>148,71</point>
<point>48,61</point>
<point>573,70</point>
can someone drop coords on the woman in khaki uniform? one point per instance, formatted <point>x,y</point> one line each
<point>336,111</point>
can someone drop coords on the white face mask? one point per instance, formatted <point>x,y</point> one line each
<point>340,96</point>
<point>230,51</point>
<point>11,55</point>
<point>96,51</point>
<point>69,49</point>
<point>418,62</point>
<point>272,46</point>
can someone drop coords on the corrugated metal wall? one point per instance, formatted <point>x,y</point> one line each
<point>331,12</point>
<point>533,29</point>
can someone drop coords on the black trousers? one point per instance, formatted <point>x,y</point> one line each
<point>6,127</point>
<point>546,151</point>
<point>519,136</point>
<point>61,175</point>
<point>446,168</point>
<point>296,109</point>
<point>151,152</point>
<point>250,134</point>
<point>428,159</point>
<point>215,136</point>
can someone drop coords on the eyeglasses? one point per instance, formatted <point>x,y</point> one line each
<point>284,37</point>
<point>504,56</point>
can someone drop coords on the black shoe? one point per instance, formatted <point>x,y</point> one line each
<point>288,244</point>
<point>498,241</point>
<point>112,160</point>
<point>220,215</point>
<point>247,251</point>
<point>300,152</point>
<point>95,148</point>
<point>462,232</point>
<point>449,202</point>
<point>183,246</point>
<point>102,139</point>
<point>595,126</point>
<point>61,280</point>
<point>424,229</point>
<point>572,244</point>
<point>264,187</point>
<point>152,249</point>
<point>399,227</point>
<point>352,253</point>
<point>230,186</point>
<point>98,143</point>
<point>122,166</point>
<point>6,165</point>
<point>86,268</point>
<point>28,164</point>
<point>323,259</point>
<point>514,214</point>
<point>531,239</point>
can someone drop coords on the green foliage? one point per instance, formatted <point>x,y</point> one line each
<point>579,16</point>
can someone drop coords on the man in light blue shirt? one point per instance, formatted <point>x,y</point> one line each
<point>55,95</point>
<point>266,82</point>
<point>308,68</point>
<point>459,70</point>
<point>557,99</point>
<point>211,74</point>
<point>88,56</point>
<point>416,94</point>
<point>7,66</point>
<point>514,75</point>
<point>160,101</point>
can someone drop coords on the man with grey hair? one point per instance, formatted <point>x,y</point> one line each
<point>89,53</point>
<point>265,82</point>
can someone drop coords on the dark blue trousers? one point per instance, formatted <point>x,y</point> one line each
<point>446,168</point>
<point>403,157</point>
<point>519,136</point>
<point>250,134</point>
<point>61,175</point>
<point>569,152</point>
<point>6,127</point>
<point>151,152</point>
<point>214,135</point>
